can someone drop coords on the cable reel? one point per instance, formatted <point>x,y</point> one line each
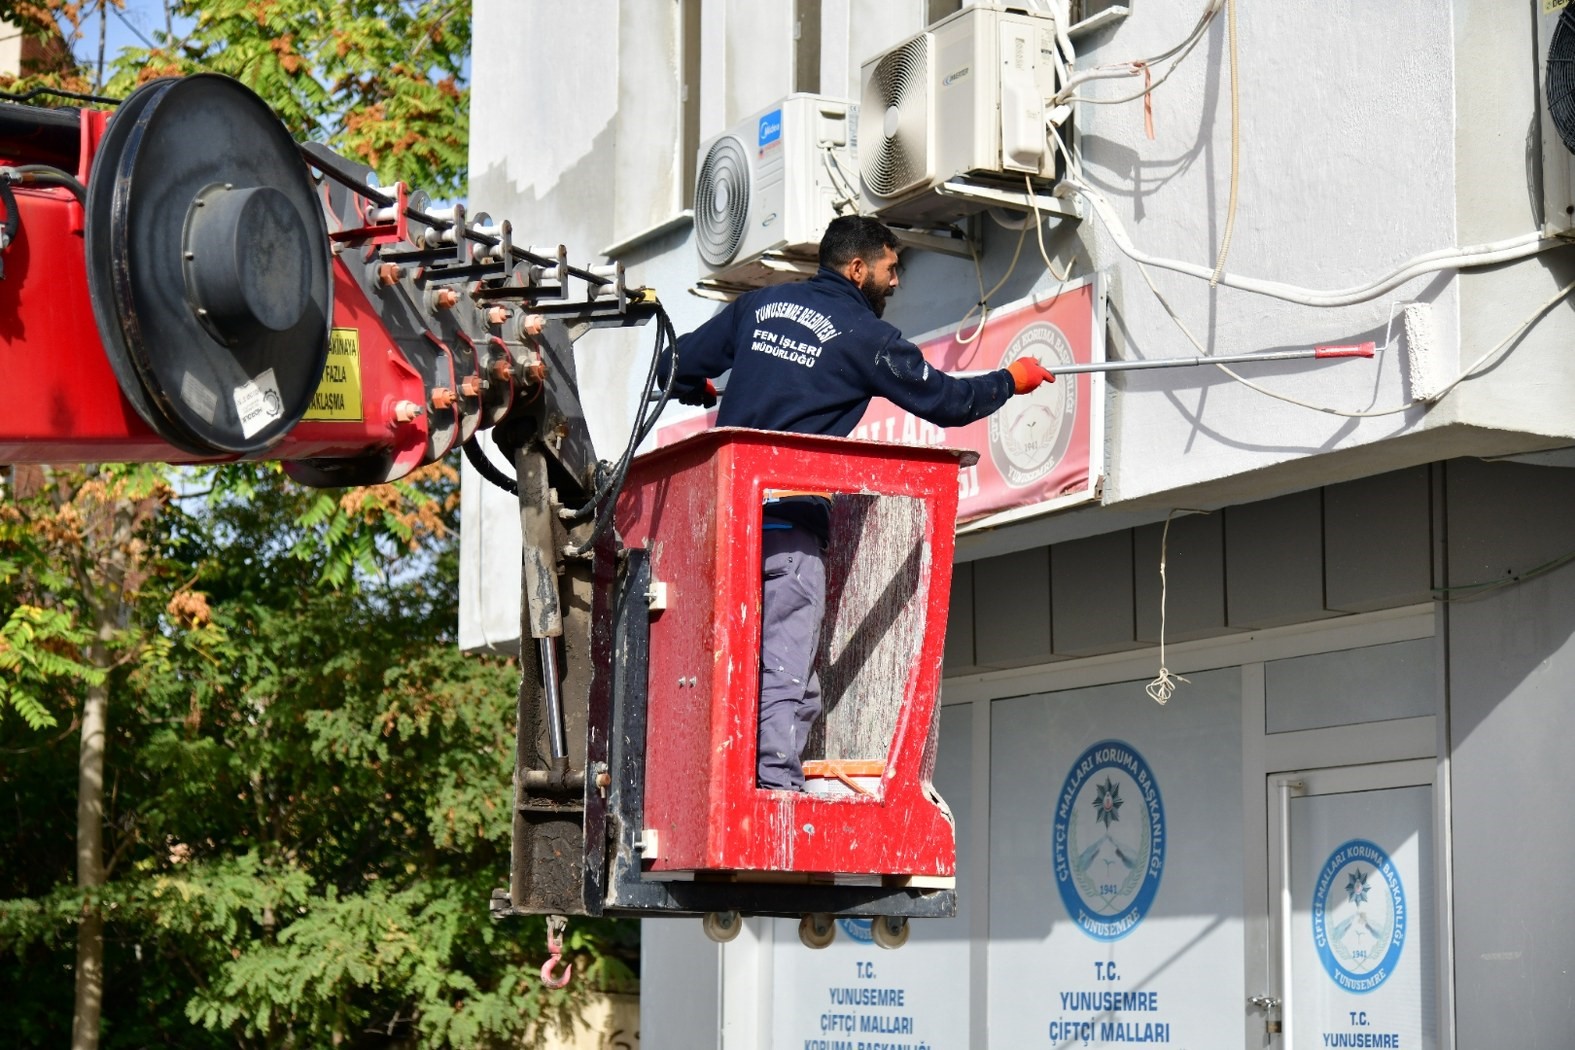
<point>208,265</point>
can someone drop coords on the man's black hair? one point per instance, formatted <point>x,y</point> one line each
<point>850,237</point>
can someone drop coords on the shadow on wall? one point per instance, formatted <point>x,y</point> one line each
<point>1511,655</point>
<point>1512,644</point>
<point>576,210</point>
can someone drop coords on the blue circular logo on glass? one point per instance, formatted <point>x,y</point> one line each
<point>858,929</point>
<point>1109,840</point>
<point>1358,916</point>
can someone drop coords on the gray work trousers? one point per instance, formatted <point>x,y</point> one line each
<point>793,603</point>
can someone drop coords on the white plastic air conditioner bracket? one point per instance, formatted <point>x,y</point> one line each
<point>949,240</point>
<point>961,186</point>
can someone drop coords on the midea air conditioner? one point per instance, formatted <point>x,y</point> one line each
<point>963,99</point>
<point>1556,79</point>
<point>767,187</point>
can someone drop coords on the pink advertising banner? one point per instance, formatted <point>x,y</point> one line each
<point>1042,450</point>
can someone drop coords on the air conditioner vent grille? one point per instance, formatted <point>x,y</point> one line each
<point>722,201</point>
<point>1561,78</point>
<point>894,114</point>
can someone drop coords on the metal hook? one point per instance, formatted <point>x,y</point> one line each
<point>555,927</point>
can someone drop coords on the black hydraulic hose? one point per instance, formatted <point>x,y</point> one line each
<point>13,221</point>
<point>604,505</point>
<point>43,175</point>
<point>672,372</point>
<point>604,497</point>
<point>644,423</point>
<point>488,469</point>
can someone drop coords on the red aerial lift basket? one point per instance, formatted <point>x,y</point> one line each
<point>869,809</point>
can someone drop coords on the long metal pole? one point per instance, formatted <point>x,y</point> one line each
<point>1362,350</point>
<point>1356,350</point>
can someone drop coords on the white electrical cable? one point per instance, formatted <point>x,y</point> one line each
<point>1074,162</point>
<point>839,181</point>
<point>983,305</point>
<point>1492,355</point>
<point>1136,67</point>
<point>1508,250</point>
<point>1235,148</point>
<point>1039,232</point>
<point>1063,37</point>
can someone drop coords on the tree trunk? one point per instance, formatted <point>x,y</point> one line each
<point>90,863</point>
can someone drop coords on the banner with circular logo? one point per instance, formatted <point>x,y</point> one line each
<point>1109,840</point>
<point>1041,451</point>
<point>1358,916</point>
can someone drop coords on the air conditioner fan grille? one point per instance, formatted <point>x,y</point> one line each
<point>895,114</point>
<point>722,201</point>
<point>1561,78</point>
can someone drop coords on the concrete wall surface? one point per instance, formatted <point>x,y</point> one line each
<point>1364,136</point>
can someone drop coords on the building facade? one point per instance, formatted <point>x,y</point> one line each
<point>1344,826</point>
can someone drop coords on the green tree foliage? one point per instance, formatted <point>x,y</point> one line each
<point>381,81</point>
<point>310,801</point>
<point>304,795</point>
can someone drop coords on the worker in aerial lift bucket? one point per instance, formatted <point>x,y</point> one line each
<point>807,358</point>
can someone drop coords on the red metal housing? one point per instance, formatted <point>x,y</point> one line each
<point>696,507</point>
<point>68,405</point>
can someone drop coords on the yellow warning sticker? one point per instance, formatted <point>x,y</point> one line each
<point>338,396</point>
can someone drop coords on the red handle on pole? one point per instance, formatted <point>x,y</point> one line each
<point>1357,350</point>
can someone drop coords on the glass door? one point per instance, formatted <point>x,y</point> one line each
<point>1352,906</point>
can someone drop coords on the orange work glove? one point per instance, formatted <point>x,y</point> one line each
<point>1027,374</point>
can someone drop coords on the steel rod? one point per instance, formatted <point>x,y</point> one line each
<point>557,737</point>
<point>324,160</point>
<point>1364,350</point>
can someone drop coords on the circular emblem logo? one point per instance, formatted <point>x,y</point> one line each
<point>1030,433</point>
<point>1358,916</point>
<point>1109,846</point>
<point>858,929</point>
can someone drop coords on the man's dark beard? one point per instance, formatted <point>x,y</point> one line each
<point>876,299</point>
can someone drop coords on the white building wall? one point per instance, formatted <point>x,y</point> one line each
<point>1367,135</point>
<point>1345,171</point>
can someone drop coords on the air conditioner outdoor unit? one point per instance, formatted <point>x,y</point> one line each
<point>766,189</point>
<point>962,102</point>
<point>1556,83</point>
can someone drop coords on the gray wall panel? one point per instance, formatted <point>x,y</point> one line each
<point>1011,609</point>
<point>1377,548</point>
<point>1274,555</point>
<point>958,656</point>
<point>1351,687</point>
<point>1506,518</point>
<point>679,991</point>
<point>1091,595</point>
<point>1511,657</point>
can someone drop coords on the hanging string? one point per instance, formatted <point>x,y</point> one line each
<point>1161,689</point>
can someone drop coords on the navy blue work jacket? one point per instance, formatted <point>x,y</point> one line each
<point>807,357</point>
